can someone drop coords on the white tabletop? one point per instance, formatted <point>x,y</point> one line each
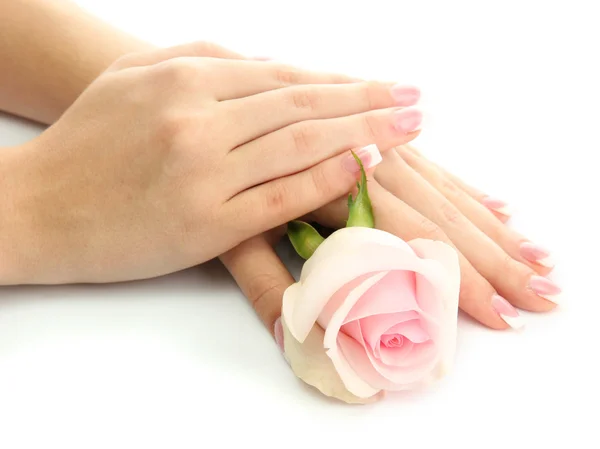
<point>182,361</point>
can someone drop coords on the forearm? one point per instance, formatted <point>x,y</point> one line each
<point>50,51</point>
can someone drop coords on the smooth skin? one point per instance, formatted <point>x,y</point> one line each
<point>412,198</point>
<point>165,161</point>
<point>88,47</point>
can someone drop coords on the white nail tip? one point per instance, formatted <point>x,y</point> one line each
<point>506,210</point>
<point>552,298</point>
<point>375,154</point>
<point>516,322</point>
<point>547,262</point>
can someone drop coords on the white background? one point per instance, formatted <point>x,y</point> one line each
<point>511,95</point>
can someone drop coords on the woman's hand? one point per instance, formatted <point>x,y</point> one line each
<point>414,198</point>
<point>166,161</point>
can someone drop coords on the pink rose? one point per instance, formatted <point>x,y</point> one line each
<point>372,313</point>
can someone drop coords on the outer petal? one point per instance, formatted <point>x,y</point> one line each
<point>354,236</point>
<point>310,363</point>
<point>448,293</point>
<point>344,262</point>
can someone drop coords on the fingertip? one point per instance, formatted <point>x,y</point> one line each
<point>278,334</point>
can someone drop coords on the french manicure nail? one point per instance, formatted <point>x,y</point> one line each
<point>507,312</point>
<point>536,254</point>
<point>497,205</point>
<point>545,288</point>
<point>278,331</point>
<point>408,120</point>
<point>405,95</point>
<point>369,156</point>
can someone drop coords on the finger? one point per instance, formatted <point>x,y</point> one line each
<point>261,275</point>
<point>513,243</point>
<point>396,217</point>
<point>269,111</point>
<point>232,79</point>
<point>277,202</point>
<point>192,49</point>
<point>302,145</point>
<point>515,281</point>
<point>497,207</point>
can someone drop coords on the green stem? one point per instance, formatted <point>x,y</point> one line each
<point>360,211</point>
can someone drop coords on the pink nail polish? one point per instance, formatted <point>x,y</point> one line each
<point>369,156</point>
<point>507,312</point>
<point>496,205</point>
<point>407,120</point>
<point>278,331</point>
<point>536,254</point>
<point>545,288</point>
<point>405,95</point>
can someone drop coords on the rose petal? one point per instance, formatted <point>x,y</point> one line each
<point>395,356</point>
<point>419,354</point>
<point>394,293</point>
<point>338,299</point>
<point>351,259</point>
<point>333,328</point>
<point>410,329</point>
<point>374,326</point>
<point>360,362</point>
<point>447,257</point>
<point>311,364</point>
<point>354,236</point>
<point>391,341</point>
<point>346,260</point>
<point>395,375</point>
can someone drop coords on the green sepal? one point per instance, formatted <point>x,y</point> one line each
<point>304,238</point>
<point>360,211</point>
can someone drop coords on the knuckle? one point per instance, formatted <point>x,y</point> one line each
<point>430,230</point>
<point>176,72</point>
<point>371,92</point>
<point>122,62</point>
<point>369,123</point>
<point>449,188</point>
<point>205,48</point>
<point>324,185</point>
<point>170,128</point>
<point>303,137</point>
<point>275,198</point>
<point>306,99</point>
<point>450,213</point>
<point>342,79</point>
<point>287,76</point>
<point>260,289</point>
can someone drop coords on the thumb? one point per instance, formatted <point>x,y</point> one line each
<point>262,277</point>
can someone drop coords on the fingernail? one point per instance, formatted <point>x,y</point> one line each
<point>278,331</point>
<point>507,312</point>
<point>536,254</point>
<point>369,156</point>
<point>545,288</point>
<point>407,120</point>
<point>497,205</point>
<point>405,95</point>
